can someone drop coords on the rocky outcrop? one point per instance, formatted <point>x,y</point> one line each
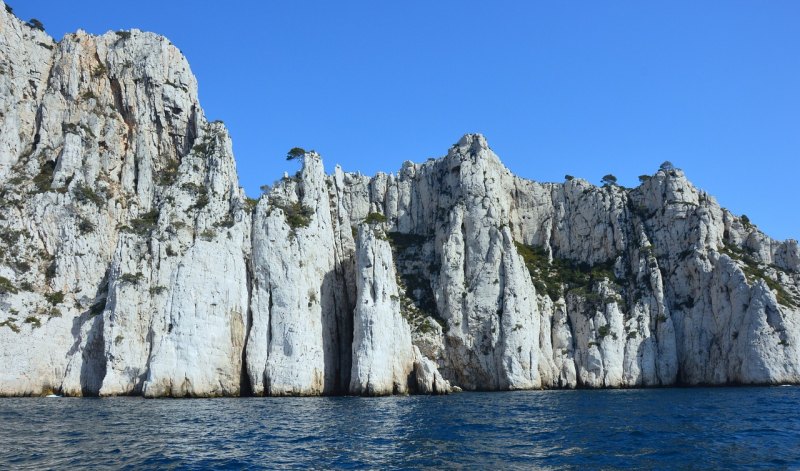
<point>383,356</point>
<point>124,232</point>
<point>132,263</point>
<point>301,301</point>
<point>427,376</point>
<point>628,287</point>
<point>734,309</point>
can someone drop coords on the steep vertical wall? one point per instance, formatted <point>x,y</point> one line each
<point>302,291</point>
<point>132,263</point>
<point>383,356</point>
<point>124,232</point>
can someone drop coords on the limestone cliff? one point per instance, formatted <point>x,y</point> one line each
<point>132,263</point>
<point>383,356</point>
<point>120,208</point>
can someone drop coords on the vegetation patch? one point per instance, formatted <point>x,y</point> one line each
<point>297,214</point>
<point>11,236</point>
<point>563,275</point>
<point>375,218</point>
<point>35,24</point>
<point>16,180</point>
<point>426,326</point>
<point>144,224</point>
<point>754,271</point>
<point>201,148</point>
<point>208,234</point>
<point>202,200</point>
<point>250,204</point>
<point>21,266</point>
<point>50,271</point>
<point>131,278</point>
<point>85,194</point>
<point>6,286</point>
<point>295,153</point>
<point>609,180</point>
<point>202,194</point>
<point>227,223</point>
<point>158,290</point>
<point>11,324</point>
<point>192,187</point>
<point>55,298</point>
<point>44,179</point>
<point>85,226</point>
<point>169,174</point>
<point>99,71</point>
<point>590,297</point>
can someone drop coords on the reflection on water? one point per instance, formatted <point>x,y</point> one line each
<point>659,428</point>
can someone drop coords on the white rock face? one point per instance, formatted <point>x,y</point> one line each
<point>201,352</point>
<point>299,298</point>
<point>26,57</point>
<point>734,308</point>
<point>427,376</point>
<point>383,356</point>
<point>132,263</point>
<point>602,312</point>
<point>122,209</point>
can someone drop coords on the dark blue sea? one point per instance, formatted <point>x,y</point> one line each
<point>702,428</point>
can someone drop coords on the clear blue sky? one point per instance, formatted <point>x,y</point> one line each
<point>559,87</point>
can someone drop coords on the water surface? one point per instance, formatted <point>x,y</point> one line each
<point>656,428</point>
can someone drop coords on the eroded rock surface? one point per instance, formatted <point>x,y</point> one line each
<point>383,355</point>
<point>132,263</point>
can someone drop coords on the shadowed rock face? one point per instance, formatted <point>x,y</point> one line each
<point>132,263</point>
<point>383,356</point>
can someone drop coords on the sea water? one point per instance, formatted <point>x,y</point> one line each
<point>691,428</point>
